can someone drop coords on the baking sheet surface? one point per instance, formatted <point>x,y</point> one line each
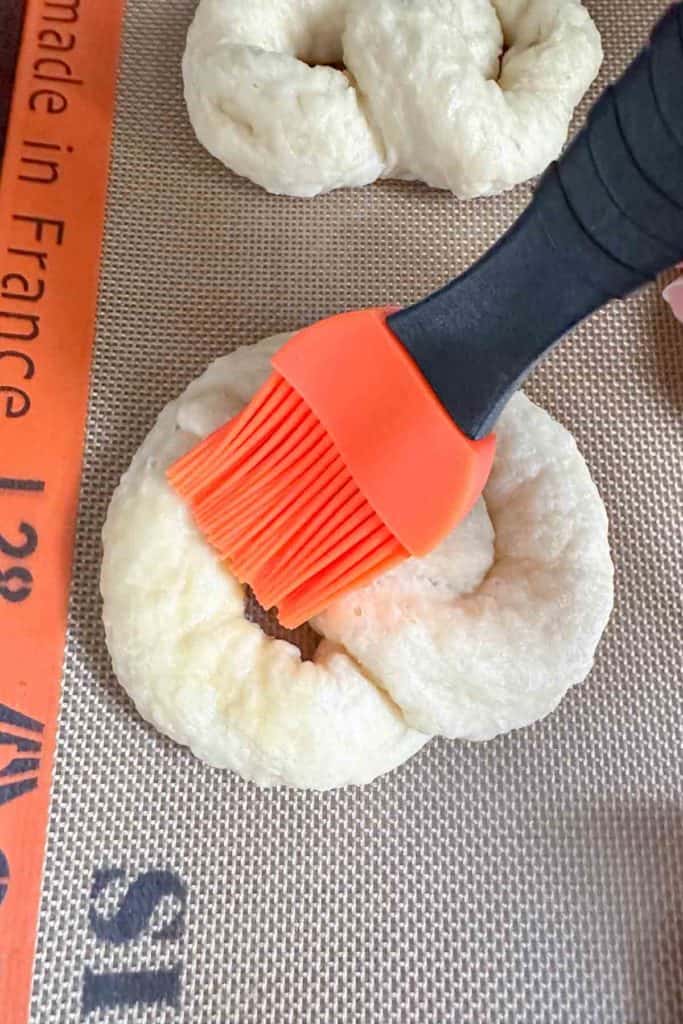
<point>534,878</point>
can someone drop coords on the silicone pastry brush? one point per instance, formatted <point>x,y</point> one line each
<point>373,436</point>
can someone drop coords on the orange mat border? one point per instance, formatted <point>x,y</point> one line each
<point>52,209</point>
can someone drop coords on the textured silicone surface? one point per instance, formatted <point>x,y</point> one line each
<point>536,878</point>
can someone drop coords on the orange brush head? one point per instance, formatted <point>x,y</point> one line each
<point>343,464</point>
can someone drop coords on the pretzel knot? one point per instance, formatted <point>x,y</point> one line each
<point>305,96</point>
<point>484,635</point>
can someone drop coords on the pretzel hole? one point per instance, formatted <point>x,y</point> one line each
<point>305,638</point>
<point>337,65</point>
<point>323,49</point>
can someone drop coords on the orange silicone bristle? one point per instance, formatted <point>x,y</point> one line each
<point>272,496</point>
<point>342,465</point>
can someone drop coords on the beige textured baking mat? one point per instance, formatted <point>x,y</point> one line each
<point>536,878</point>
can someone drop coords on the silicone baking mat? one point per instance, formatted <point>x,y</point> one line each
<point>536,878</point>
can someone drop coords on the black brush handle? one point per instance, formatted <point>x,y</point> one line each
<point>605,220</point>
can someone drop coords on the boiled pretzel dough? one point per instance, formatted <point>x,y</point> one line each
<point>182,648</point>
<point>450,112</point>
<point>264,113</point>
<point>483,635</point>
<point>425,93</point>
<point>504,654</point>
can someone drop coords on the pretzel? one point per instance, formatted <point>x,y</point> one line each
<point>474,96</point>
<point>483,635</point>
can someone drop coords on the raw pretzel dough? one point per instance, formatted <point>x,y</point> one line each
<point>293,129</point>
<point>425,93</point>
<point>483,635</point>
